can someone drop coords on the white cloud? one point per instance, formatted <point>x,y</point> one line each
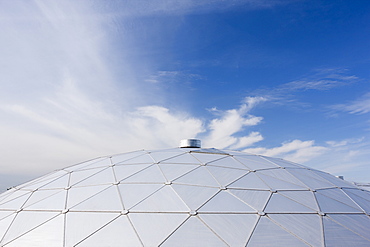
<point>230,122</point>
<point>324,79</point>
<point>180,7</point>
<point>296,150</point>
<point>358,106</point>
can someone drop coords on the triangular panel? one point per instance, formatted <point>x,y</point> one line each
<point>106,200</point>
<point>207,158</point>
<point>105,162</point>
<point>16,203</point>
<point>328,205</point>
<point>162,156</point>
<point>307,227</point>
<point>250,181</point>
<point>78,176</point>
<point>269,234</point>
<point>173,171</point>
<point>59,183</point>
<point>199,176</point>
<point>234,229</point>
<point>194,196</point>
<point>254,162</point>
<point>182,159</point>
<point>281,162</point>
<point>226,203</point>
<point>337,235</point>
<point>49,234</point>
<point>257,199</point>
<point>5,224</point>
<point>91,223</point>
<point>103,177</point>
<point>282,204</point>
<point>164,225</point>
<point>229,162</point>
<point>225,176</point>
<point>26,221</point>
<point>334,180</point>
<point>117,233</point>
<point>282,174</point>
<point>278,184</point>
<point>310,179</point>
<point>126,156</point>
<point>142,159</point>
<point>358,223</point>
<point>132,194</point>
<point>163,200</point>
<point>151,174</point>
<point>193,233</point>
<point>360,198</point>
<point>56,201</point>
<point>79,194</point>
<point>338,195</point>
<point>306,198</point>
<point>124,171</point>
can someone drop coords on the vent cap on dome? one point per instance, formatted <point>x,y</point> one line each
<point>190,143</point>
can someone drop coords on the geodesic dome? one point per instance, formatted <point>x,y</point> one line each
<point>185,197</point>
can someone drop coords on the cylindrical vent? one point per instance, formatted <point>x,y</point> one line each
<point>190,143</point>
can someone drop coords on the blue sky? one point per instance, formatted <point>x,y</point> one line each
<point>82,79</point>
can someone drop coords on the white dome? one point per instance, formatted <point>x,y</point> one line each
<point>185,197</point>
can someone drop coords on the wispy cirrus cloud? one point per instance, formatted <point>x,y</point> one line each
<point>323,79</point>
<point>319,80</point>
<point>296,150</point>
<point>180,7</point>
<point>358,106</point>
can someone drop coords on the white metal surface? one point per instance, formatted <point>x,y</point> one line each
<point>185,197</point>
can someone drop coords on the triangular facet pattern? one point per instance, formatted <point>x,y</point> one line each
<point>194,196</point>
<point>305,226</point>
<point>163,200</point>
<point>229,162</point>
<point>268,233</point>
<point>182,159</point>
<point>206,158</point>
<point>56,201</point>
<point>92,221</point>
<point>194,233</point>
<point>151,174</point>
<point>282,204</point>
<point>185,197</point>
<point>25,222</point>
<point>173,171</point>
<point>225,176</point>
<point>255,162</point>
<point>126,156</point>
<point>250,181</point>
<point>142,159</point>
<point>225,202</point>
<point>234,229</point>
<point>338,235</point>
<point>99,202</point>
<point>107,236</point>
<point>200,176</point>
<point>124,171</point>
<point>132,194</point>
<point>49,234</point>
<point>357,223</point>
<point>329,205</point>
<point>164,225</point>
<point>257,199</point>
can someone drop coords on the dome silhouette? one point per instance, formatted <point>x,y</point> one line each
<point>185,197</point>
